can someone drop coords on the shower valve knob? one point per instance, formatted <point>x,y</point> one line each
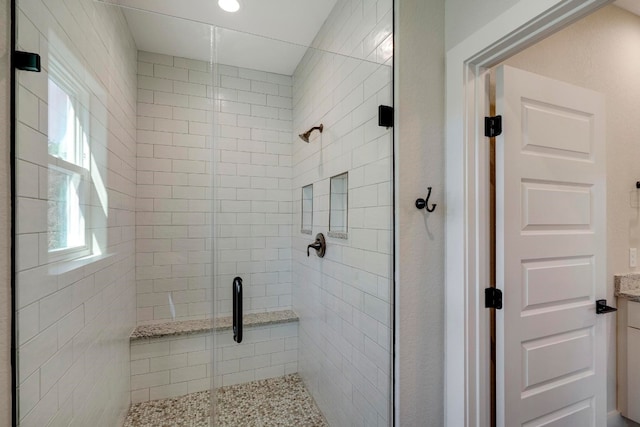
<point>320,246</point>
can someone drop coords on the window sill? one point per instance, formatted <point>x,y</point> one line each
<point>97,262</point>
<point>338,235</point>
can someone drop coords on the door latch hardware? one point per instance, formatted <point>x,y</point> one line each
<point>492,126</point>
<point>602,307</point>
<point>493,298</point>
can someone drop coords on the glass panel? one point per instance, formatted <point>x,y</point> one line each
<point>344,299</point>
<point>114,220</point>
<point>307,209</point>
<point>339,206</point>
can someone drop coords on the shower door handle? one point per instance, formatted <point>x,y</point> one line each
<point>237,310</point>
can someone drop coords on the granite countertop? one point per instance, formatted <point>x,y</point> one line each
<point>628,286</point>
<point>187,327</point>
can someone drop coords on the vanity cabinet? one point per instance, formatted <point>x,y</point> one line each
<point>629,359</point>
<point>633,373</point>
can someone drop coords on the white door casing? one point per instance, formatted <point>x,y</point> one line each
<point>550,252</point>
<point>466,153</point>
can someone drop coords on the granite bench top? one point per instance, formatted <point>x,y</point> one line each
<point>188,327</point>
<point>627,286</point>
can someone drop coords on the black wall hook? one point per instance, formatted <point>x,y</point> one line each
<point>423,204</point>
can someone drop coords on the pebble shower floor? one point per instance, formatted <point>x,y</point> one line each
<point>280,402</point>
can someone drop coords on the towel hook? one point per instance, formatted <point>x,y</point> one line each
<point>424,204</point>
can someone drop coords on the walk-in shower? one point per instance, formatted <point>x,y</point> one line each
<point>166,207</point>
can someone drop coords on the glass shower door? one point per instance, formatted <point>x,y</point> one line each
<point>317,325</point>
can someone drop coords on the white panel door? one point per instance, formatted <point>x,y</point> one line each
<point>551,254</point>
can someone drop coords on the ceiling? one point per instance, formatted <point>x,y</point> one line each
<point>632,6</point>
<point>269,35</point>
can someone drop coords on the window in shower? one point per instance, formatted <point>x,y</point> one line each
<point>68,165</point>
<point>339,202</point>
<point>307,209</point>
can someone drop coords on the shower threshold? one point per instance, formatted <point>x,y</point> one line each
<point>282,401</point>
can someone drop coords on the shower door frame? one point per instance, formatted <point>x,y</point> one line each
<point>14,198</point>
<point>393,389</point>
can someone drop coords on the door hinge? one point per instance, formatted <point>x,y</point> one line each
<point>492,126</point>
<point>385,116</point>
<point>27,61</point>
<point>493,298</point>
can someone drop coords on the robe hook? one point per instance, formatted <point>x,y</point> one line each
<point>424,204</point>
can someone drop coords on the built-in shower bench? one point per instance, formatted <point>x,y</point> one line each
<point>175,358</point>
<point>187,327</point>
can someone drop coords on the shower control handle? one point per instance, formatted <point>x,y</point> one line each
<point>320,245</point>
<point>317,246</point>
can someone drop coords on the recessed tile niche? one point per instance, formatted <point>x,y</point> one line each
<point>339,202</point>
<point>307,209</point>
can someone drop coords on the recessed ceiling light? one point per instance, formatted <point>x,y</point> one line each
<point>229,5</point>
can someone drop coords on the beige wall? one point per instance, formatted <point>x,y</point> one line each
<point>465,17</point>
<point>5,231</point>
<point>600,52</point>
<point>420,241</point>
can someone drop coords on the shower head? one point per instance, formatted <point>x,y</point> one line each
<point>305,136</point>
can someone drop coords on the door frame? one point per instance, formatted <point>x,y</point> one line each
<point>467,350</point>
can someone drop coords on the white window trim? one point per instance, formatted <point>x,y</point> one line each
<point>68,81</point>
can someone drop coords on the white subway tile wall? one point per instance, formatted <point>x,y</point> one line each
<point>75,317</point>
<point>174,203</point>
<point>174,366</point>
<point>344,299</point>
<point>254,209</point>
<point>252,174</point>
